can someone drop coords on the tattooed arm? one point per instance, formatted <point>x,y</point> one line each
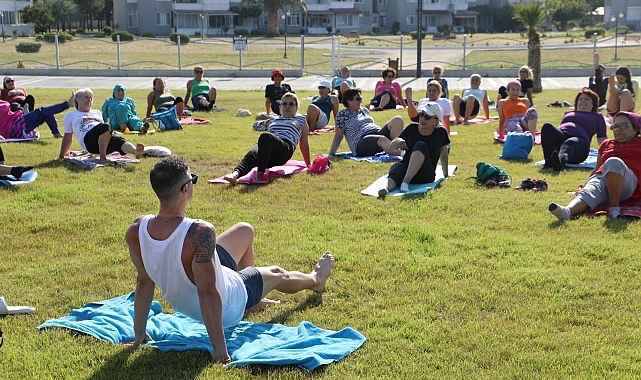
<point>202,237</point>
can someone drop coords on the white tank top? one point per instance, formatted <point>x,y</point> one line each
<point>162,261</point>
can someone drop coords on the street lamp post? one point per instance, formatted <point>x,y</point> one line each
<point>285,17</point>
<point>616,33</point>
<point>2,17</point>
<point>202,25</point>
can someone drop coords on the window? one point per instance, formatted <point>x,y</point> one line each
<point>410,20</point>
<point>382,21</point>
<point>8,18</point>
<point>219,21</point>
<point>382,2</point>
<point>163,19</point>
<point>132,18</point>
<point>294,20</point>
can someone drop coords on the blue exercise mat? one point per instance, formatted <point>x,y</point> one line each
<point>589,163</point>
<point>27,177</point>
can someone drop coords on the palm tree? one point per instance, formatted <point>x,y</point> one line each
<point>272,7</point>
<point>531,14</point>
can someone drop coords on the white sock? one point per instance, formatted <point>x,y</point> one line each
<point>614,212</point>
<point>561,212</point>
<point>405,187</point>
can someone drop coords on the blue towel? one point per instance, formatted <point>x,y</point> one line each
<point>307,346</point>
<point>589,163</point>
<point>379,157</point>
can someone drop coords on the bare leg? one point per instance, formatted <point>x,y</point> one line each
<point>344,87</point>
<point>627,101</point>
<point>532,125</point>
<point>312,116</point>
<point>136,150</point>
<point>103,142</point>
<point>395,126</point>
<point>575,207</point>
<point>613,97</point>
<point>385,99</point>
<point>232,177</point>
<point>212,94</point>
<point>180,109</point>
<point>238,241</point>
<point>416,161</point>
<point>292,282</point>
<point>456,108</point>
<point>614,183</point>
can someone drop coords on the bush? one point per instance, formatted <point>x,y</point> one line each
<point>124,36</point>
<point>590,32</point>
<point>257,32</point>
<point>62,37</point>
<point>80,30</point>
<point>241,32</point>
<point>28,47</point>
<point>376,29</point>
<point>414,35</point>
<point>184,38</point>
<point>99,35</point>
<point>21,64</point>
<point>148,34</point>
<point>107,30</point>
<point>40,37</point>
<point>396,27</point>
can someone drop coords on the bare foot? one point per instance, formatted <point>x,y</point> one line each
<point>140,148</point>
<point>321,271</point>
<point>105,162</point>
<point>260,306</point>
<point>466,122</point>
<point>231,178</point>
<point>71,101</point>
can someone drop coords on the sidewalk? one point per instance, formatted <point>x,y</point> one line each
<point>177,84</point>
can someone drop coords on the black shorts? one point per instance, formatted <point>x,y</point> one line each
<point>475,110</point>
<point>225,258</point>
<point>253,284</point>
<point>91,140</point>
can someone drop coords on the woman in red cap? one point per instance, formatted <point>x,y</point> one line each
<point>274,92</point>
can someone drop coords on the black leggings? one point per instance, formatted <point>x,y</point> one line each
<point>1,156</point>
<point>270,151</point>
<point>426,173</point>
<point>552,138</point>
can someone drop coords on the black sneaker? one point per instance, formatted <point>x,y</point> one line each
<point>540,185</point>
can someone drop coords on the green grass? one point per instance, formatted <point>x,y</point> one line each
<point>463,282</point>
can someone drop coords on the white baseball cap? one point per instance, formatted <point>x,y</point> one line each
<point>430,108</point>
<point>324,83</point>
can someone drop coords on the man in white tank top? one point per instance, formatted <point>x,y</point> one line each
<point>212,283</point>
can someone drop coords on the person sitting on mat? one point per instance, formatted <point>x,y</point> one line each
<point>95,136</point>
<point>15,171</point>
<point>162,99</point>
<point>323,105</point>
<point>17,96</point>
<point>622,91</point>
<point>438,73</point>
<point>570,142</point>
<point>19,125</point>
<point>515,113</point>
<point>617,176</point>
<point>433,92</point>
<point>342,82</point>
<point>388,93</point>
<point>275,91</point>
<point>468,105</point>
<point>120,112</point>
<point>277,146</point>
<point>203,95</point>
<point>210,280</point>
<point>363,136</point>
<point>425,143</point>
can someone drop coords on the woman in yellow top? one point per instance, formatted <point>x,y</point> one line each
<point>515,113</point>
<point>203,95</point>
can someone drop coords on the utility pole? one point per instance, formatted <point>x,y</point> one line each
<point>419,42</point>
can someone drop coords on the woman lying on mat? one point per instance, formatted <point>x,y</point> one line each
<point>95,136</point>
<point>570,142</point>
<point>433,93</point>
<point>363,136</point>
<point>18,125</point>
<point>277,146</point>
<point>468,105</point>
<point>424,142</point>
<point>515,113</point>
<point>162,99</point>
<point>15,171</point>
<point>617,176</point>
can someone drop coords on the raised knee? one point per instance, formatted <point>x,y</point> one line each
<point>614,165</point>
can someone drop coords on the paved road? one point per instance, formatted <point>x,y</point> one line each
<point>177,84</point>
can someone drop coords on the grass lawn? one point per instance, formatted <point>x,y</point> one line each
<point>463,282</point>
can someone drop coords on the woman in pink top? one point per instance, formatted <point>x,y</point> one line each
<point>387,93</point>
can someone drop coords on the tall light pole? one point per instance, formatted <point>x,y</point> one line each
<point>285,17</point>
<point>616,33</point>
<point>2,17</point>
<point>202,25</point>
